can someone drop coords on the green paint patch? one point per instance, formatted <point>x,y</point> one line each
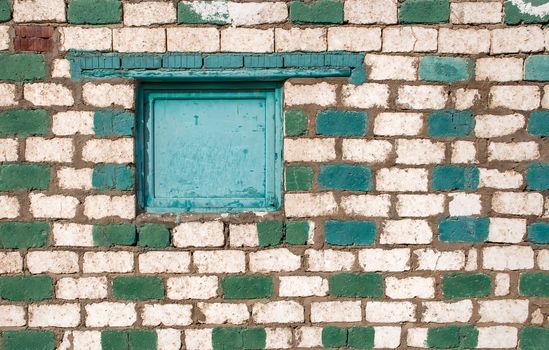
<point>452,337</point>
<point>357,337</point>
<point>153,236</point>
<point>466,285</point>
<point>297,232</point>
<point>342,232</point>
<point>299,178</point>
<point>5,10</point>
<point>534,284</point>
<point>514,15</point>
<point>334,337</point>
<point>455,178</point>
<point>345,177</point>
<point>137,288</point>
<point>424,11</point>
<point>318,11</point>
<point>350,284</point>
<point>24,176</point>
<point>130,339</point>
<point>24,122</point>
<point>28,340</point>
<point>239,338</point>
<point>463,229</point>
<point>295,122</point>
<point>22,67</point>
<point>114,234</point>
<point>94,11</point>
<point>113,122</point>
<point>341,123</point>
<point>534,338</point>
<point>107,177</point>
<point>536,68</point>
<point>270,233</point>
<point>203,12</point>
<point>537,176</point>
<point>538,123</point>
<point>26,288</point>
<point>538,232</point>
<point>24,235</point>
<point>445,69</point>
<point>451,123</point>
<point>247,287</point>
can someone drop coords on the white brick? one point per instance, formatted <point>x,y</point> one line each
<point>107,95</point>
<point>508,258</point>
<point>465,98</point>
<point>302,286</point>
<point>387,337</point>
<point>52,262</point>
<point>422,97</point>
<point>164,262</point>
<point>503,230</point>
<point>168,339</point>
<point>336,311</point>
<point>102,206</point>
<point>489,125</point>
<point>369,12</point>
<point>296,39</point>
<point>475,12</point>
<point>309,204</point>
<point>517,151</point>
<point>431,259</point>
<point>71,234</point>
<point>329,260</point>
<point>198,234</point>
<point>545,100</point>
<point>322,94</point>
<point>199,39</point>
<point>472,260</point>
<point>308,337</point>
<point>48,94</point>
<point>274,260</point>
<point>66,315</point>
<point>463,152</point>
<point>191,287</point>
<point>198,339</point>
<point>420,205</point>
<point>278,338</point>
<point>243,235</point>
<point>247,40</point>
<point>4,37</point>
<point>147,13</point>
<point>464,204</point>
<point>39,149</point>
<point>99,262</point>
<point>367,95</point>
<point>309,150</point>
<point>81,288</point>
<point>39,10</point>
<point>167,315</point>
<point>409,39</point>
<point>516,97</point>
<point>385,67</point>
<point>7,95</point>
<point>396,124</point>
<point>503,282</point>
<point>467,41</point>
<point>417,337</point>
<point>495,178</point>
<point>497,337</point>
<point>389,312</point>
<point>108,151</point>
<point>224,313</point>
<point>278,312</point>
<point>499,69</point>
<point>61,68</point>
<point>9,207</point>
<point>12,316</point>
<point>109,314</point>
<point>72,122</point>
<point>54,206</point>
<point>410,287</point>
<point>225,261</point>
<point>517,39</point>
<point>8,150</point>
<point>517,203</point>
<point>75,179</point>
<point>406,231</point>
<point>419,152</point>
<point>441,312</point>
<point>10,262</point>
<point>139,39</point>
<point>503,311</point>
<point>397,180</point>
<point>542,260</point>
<point>246,14</point>
<point>366,205</point>
<point>368,151</point>
<point>90,39</point>
<point>354,39</point>
<point>397,259</point>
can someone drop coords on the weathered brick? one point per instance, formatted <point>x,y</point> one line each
<point>375,11</point>
<point>33,11</point>
<point>419,151</point>
<point>338,232</point>
<point>424,11</point>
<point>445,69</point>
<point>466,285</point>
<point>247,287</point>
<point>298,178</point>
<point>137,288</point>
<point>463,229</point>
<point>356,285</point>
<point>319,11</point>
<point>26,288</point>
<point>202,12</point>
<point>94,11</point>
<point>475,12</point>
<point>295,122</point>
<point>270,233</point>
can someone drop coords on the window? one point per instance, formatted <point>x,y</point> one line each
<point>209,147</point>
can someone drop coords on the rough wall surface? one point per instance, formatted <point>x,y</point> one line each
<point>415,201</point>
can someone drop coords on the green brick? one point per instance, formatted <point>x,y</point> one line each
<point>450,123</point>
<point>334,337</point>
<point>114,234</point>
<point>254,338</point>
<point>202,12</point>
<point>537,176</point>
<point>107,177</point>
<point>137,288</point>
<point>318,11</point>
<point>336,122</point>
<point>513,15</point>
<point>114,340</point>
<point>349,232</point>
<point>538,232</point>
<point>23,235</point>
<point>5,10</point>
<point>538,123</point>
<point>94,11</point>
<point>113,122</point>
<point>24,122</point>
<point>534,284</point>
<point>534,338</point>
<point>153,236</point>
<point>24,176</point>
<point>350,284</point>
<point>345,177</point>
<point>452,337</point>
<point>463,229</point>
<point>22,67</point>
<point>131,339</point>
<point>299,178</point>
<point>445,69</point>
<point>227,338</point>
<point>297,232</point>
<point>28,340</point>
<point>247,287</point>
<point>424,11</point>
<point>270,233</point>
<point>536,68</point>
<point>361,337</point>
<point>295,122</point>
<point>466,285</point>
<point>455,178</point>
<point>26,288</point>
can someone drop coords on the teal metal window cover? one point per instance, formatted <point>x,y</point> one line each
<point>209,147</point>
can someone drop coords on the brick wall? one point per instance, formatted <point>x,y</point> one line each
<point>415,201</point>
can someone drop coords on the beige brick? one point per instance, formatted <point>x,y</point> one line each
<point>475,12</point>
<point>107,314</point>
<point>61,68</point>
<point>221,261</point>
<point>274,260</point>
<point>397,259</point>
<point>100,262</point>
<point>499,69</point>
<point>309,204</point>
<point>278,312</point>
<point>371,151</point>
<point>12,316</point>
<point>463,152</point>
<point>4,37</point>
<point>39,149</point>
<point>367,95</point>
<point>329,260</point>
<point>167,315</point>
<point>107,95</point>
<point>466,41</point>
<point>422,97</point>
<point>7,95</point>
<point>398,180</point>
<point>366,205</point>
<point>322,94</point>
<point>409,39</point>
<point>516,97</point>
<point>517,151</point>
<point>108,151</point>
<point>9,207</point>
<point>302,286</point>
<point>65,315</point>
<point>81,288</point>
<point>252,13</point>
<point>386,67</point>
<point>90,39</point>
<point>52,262</point>
<point>72,122</point>
<point>296,39</point>
<point>48,94</point>
<point>164,262</point>
<point>545,100</point>
<point>39,11</point>
<point>417,337</point>
<point>370,12</point>
<point>308,337</point>
<point>198,339</point>
<point>420,151</point>
<point>390,312</point>
<point>502,284</point>
<point>72,234</point>
<point>243,235</point>
<point>543,259</point>
<point>200,39</point>
<point>139,40</point>
<point>168,339</point>
<point>465,98</point>
<point>508,258</point>
<point>8,150</point>
<point>517,203</point>
<point>497,337</point>
<point>75,179</point>
<point>247,40</point>
<point>503,311</point>
<point>489,125</point>
<point>192,287</point>
<point>54,206</point>
<point>395,124</point>
<point>336,311</point>
<point>442,312</point>
<point>464,204</point>
<point>309,150</point>
<point>102,206</point>
<point>149,12</point>
<point>406,231</point>
<point>420,205</point>
<point>410,287</point>
<point>505,230</point>
<point>10,262</point>
<point>435,260</point>
<point>278,338</point>
<point>198,234</point>
<point>517,39</point>
<point>354,39</point>
<point>387,337</point>
<point>224,313</point>
<point>495,178</point>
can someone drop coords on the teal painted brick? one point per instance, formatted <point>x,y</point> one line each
<point>224,61</point>
<point>94,11</point>
<point>95,60</point>
<point>513,15</point>
<point>534,338</point>
<point>303,60</point>
<point>182,60</point>
<point>334,337</point>
<point>424,11</point>
<point>143,61</point>
<point>452,337</point>
<point>358,75</point>
<point>451,123</point>
<point>5,10</point>
<point>340,59</point>
<point>341,232</point>
<point>454,177</point>
<point>349,284</point>
<point>538,232</point>
<point>538,123</point>
<point>536,68</point>
<point>113,122</point>
<point>22,67</point>
<point>191,13</point>
<point>113,177</point>
<point>537,176</point>
<point>318,11</point>
<point>26,288</point>
<point>153,236</point>
<point>264,61</point>
<point>463,229</point>
<point>114,234</point>
<point>445,69</point>
<point>24,235</point>
<point>341,123</point>
<point>534,284</point>
<point>28,340</point>
<point>345,177</point>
